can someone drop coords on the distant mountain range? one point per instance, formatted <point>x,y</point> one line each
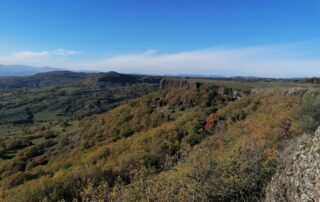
<point>22,70</point>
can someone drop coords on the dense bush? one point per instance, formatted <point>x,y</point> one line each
<point>234,165</point>
<point>308,114</point>
<point>156,148</point>
<point>17,143</point>
<point>3,148</point>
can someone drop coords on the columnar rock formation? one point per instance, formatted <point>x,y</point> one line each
<point>167,84</point>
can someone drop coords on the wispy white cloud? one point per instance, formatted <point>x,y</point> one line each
<point>22,55</point>
<point>64,52</point>
<point>36,57</point>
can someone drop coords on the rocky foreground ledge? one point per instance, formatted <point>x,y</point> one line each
<point>298,175</point>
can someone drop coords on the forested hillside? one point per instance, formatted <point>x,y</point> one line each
<point>60,96</point>
<point>183,143</point>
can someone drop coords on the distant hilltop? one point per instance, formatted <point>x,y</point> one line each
<point>22,70</point>
<point>94,80</point>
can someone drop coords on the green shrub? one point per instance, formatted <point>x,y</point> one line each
<point>308,114</point>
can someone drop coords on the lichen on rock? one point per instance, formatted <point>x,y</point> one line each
<point>298,174</point>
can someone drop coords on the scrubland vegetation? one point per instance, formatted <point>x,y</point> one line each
<point>171,145</point>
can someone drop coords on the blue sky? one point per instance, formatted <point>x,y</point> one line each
<point>225,37</point>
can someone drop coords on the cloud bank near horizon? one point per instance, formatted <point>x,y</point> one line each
<point>290,60</point>
<point>36,57</point>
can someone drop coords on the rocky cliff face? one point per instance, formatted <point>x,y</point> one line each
<point>298,175</point>
<point>167,84</point>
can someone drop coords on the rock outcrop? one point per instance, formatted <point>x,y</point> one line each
<point>167,84</point>
<point>298,174</point>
